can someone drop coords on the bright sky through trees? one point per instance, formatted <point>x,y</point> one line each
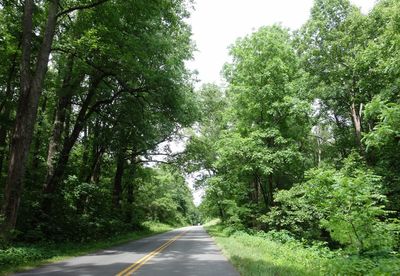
<point>104,131</point>
<point>218,23</point>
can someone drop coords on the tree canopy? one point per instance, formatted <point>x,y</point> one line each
<point>307,138</point>
<point>301,143</point>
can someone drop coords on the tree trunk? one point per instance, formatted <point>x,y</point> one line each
<point>129,200</point>
<point>356,118</point>
<point>221,211</point>
<point>55,176</point>
<point>264,194</point>
<point>5,111</point>
<point>119,172</point>
<point>340,126</point>
<point>270,190</point>
<point>85,155</point>
<point>130,189</point>
<point>38,141</point>
<point>31,88</point>
<point>94,171</point>
<point>98,149</point>
<point>255,191</point>
<point>63,104</point>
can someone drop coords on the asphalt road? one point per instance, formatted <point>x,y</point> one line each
<point>185,251</point>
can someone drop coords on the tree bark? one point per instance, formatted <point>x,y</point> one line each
<point>31,89</point>
<point>55,176</point>
<point>94,171</point>
<point>130,188</point>
<point>356,118</point>
<point>5,111</point>
<point>37,141</point>
<point>264,194</point>
<point>63,104</point>
<point>85,155</point>
<point>119,172</point>
<point>221,211</point>
<point>270,190</point>
<point>340,127</point>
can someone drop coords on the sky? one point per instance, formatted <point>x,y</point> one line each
<point>216,24</point>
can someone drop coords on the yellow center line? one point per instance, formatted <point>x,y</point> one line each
<point>139,263</point>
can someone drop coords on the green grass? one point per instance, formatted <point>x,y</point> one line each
<point>260,255</point>
<point>25,256</point>
<point>253,255</point>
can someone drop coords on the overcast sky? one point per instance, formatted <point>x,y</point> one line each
<point>216,24</point>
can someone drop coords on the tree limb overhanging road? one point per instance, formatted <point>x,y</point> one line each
<point>184,251</point>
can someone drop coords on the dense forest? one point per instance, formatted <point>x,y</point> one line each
<point>301,144</point>
<point>89,90</point>
<point>304,140</point>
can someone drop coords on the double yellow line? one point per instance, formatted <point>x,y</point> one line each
<point>139,263</point>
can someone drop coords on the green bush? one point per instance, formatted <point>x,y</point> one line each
<point>364,265</point>
<point>294,214</point>
<point>348,203</point>
<point>278,253</point>
<point>283,236</point>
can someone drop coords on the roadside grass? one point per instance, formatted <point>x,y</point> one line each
<point>21,257</point>
<point>260,255</point>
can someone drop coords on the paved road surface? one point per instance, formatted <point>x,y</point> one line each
<point>185,251</point>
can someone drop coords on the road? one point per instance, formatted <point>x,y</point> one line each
<point>185,251</point>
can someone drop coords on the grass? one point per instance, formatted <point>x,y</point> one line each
<point>26,256</point>
<point>260,255</point>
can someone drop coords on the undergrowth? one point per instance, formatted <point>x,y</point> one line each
<point>278,253</point>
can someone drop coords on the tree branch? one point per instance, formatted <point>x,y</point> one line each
<point>81,7</point>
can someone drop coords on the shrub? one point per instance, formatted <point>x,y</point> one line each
<point>349,204</point>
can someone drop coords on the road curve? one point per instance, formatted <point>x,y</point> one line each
<point>185,251</point>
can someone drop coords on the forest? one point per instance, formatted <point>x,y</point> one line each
<point>303,143</point>
<point>300,149</point>
<point>89,90</point>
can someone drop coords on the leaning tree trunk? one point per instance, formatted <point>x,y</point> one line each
<point>94,171</point>
<point>31,89</point>
<point>56,174</point>
<point>63,104</point>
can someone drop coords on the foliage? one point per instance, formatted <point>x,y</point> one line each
<point>348,203</point>
<point>164,196</point>
<point>294,213</point>
<point>306,147</point>
<point>116,88</point>
<point>257,142</point>
<point>277,253</point>
<point>299,149</point>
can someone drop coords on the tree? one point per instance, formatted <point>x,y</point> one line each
<point>333,44</point>
<point>30,90</point>
<point>254,144</point>
<point>114,66</point>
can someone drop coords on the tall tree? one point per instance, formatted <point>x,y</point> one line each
<point>30,91</point>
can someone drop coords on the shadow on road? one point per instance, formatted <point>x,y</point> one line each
<point>192,254</point>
